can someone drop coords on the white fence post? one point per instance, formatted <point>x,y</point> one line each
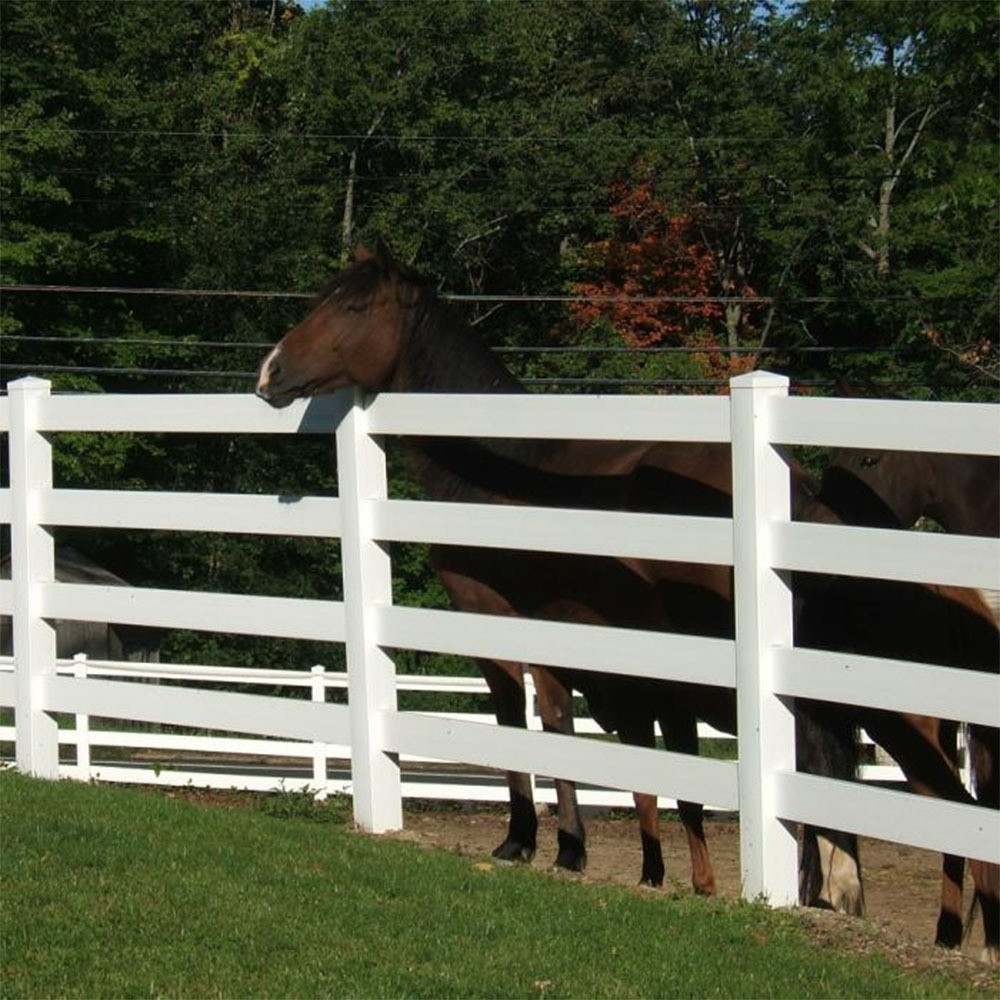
<point>82,724</point>
<point>32,564</point>
<point>319,749</point>
<point>371,674</point>
<point>763,601</point>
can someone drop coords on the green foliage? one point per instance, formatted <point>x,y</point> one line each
<point>249,145</point>
<point>226,902</point>
<point>303,805</point>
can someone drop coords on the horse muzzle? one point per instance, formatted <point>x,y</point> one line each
<point>269,383</point>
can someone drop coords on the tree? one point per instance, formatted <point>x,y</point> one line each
<point>896,99</point>
<point>656,284</point>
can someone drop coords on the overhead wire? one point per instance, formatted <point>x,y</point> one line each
<point>402,137</point>
<point>531,381</point>
<point>560,349</point>
<point>514,350</point>
<point>498,298</point>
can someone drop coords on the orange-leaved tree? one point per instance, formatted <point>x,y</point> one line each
<point>657,284</point>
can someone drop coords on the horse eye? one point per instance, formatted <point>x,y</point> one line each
<point>869,462</point>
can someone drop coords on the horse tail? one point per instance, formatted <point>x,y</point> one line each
<point>826,739</point>
<point>826,744</point>
<point>984,750</point>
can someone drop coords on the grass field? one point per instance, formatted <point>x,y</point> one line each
<point>113,892</point>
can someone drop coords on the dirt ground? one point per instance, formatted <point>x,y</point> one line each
<point>902,884</point>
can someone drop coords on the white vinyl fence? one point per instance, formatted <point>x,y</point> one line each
<point>760,542</point>
<point>145,754</point>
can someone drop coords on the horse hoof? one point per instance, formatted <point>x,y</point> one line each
<point>572,855</point>
<point>841,887</point>
<point>949,931</point>
<point>652,874</point>
<point>571,859</point>
<point>511,850</point>
<point>990,955</point>
<point>851,901</point>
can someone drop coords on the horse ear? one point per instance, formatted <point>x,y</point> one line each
<point>361,252</point>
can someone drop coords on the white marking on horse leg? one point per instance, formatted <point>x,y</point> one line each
<point>841,878</point>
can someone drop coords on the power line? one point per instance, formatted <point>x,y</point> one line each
<point>543,298</point>
<point>327,178</point>
<point>97,370</point>
<point>401,138</point>
<point>561,349</point>
<point>537,382</point>
<point>133,341</point>
<point>123,290</point>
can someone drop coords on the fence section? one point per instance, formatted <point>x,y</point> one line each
<point>105,751</point>
<point>760,543</point>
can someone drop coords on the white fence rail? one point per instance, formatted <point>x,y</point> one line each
<point>760,542</point>
<point>257,764</point>
<point>206,760</point>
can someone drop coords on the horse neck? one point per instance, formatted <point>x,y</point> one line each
<point>441,354</point>
<point>965,495</point>
<point>854,501</point>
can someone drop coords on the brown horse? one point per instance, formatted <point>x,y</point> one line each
<point>945,625</point>
<point>960,492</point>
<point>380,326</point>
<point>895,489</point>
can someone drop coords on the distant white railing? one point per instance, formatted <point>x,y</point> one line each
<point>760,542</point>
<point>206,760</point>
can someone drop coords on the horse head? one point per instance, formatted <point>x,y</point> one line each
<point>900,480</point>
<point>352,336</point>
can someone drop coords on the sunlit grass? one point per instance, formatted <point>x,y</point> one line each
<point>114,892</point>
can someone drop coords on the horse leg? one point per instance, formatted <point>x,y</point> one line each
<point>505,679</point>
<point>986,878</point>
<point>948,933</point>
<point>921,745</point>
<point>830,866</point>
<point>637,730</point>
<point>983,748</point>
<point>680,735</point>
<point>555,706</point>
<point>506,684</point>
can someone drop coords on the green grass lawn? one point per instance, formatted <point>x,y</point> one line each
<point>115,892</point>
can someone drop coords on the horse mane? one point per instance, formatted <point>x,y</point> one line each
<point>360,280</point>
<point>442,353</point>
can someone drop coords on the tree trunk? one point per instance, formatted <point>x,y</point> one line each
<point>347,227</point>
<point>885,192</point>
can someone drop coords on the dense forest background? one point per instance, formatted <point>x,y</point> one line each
<point>621,195</point>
